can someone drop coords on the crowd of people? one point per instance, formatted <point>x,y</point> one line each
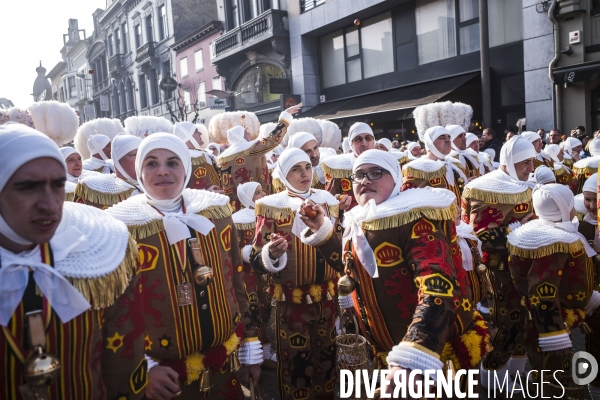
<point>162,261</point>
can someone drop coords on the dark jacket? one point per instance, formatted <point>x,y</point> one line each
<point>495,144</point>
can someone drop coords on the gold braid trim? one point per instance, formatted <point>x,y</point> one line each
<point>334,211</point>
<point>106,199</point>
<point>397,220</point>
<point>494,198</point>
<point>70,196</point>
<point>420,174</point>
<point>198,161</point>
<point>560,172</point>
<point>278,186</point>
<point>245,227</point>
<point>153,227</point>
<point>223,160</point>
<point>544,251</point>
<point>279,213</point>
<point>336,173</point>
<point>585,170</point>
<point>102,292</point>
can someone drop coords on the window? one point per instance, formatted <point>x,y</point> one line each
<point>217,84</point>
<point>138,36</point>
<point>109,45</point>
<point>198,62</point>
<point>118,41</point>
<point>162,22</point>
<point>505,21</point>
<point>254,85</point>
<point>468,26</point>
<point>183,67</point>
<point>235,13</point>
<point>125,38</point>
<point>72,87</point>
<point>358,52</point>
<point>436,30</point>
<point>167,74</point>
<point>143,92</point>
<point>149,29</point>
<point>129,94</point>
<point>186,99</point>
<point>153,78</point>
<point>201,95</point>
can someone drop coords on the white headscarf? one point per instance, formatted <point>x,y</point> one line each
<point>552,150</point>
<point>410,147</point>
<point>354,231</point>
<point>569,144</point>
<point>245,193</point>
<point>286,162</point>
<point>121,145</point>
<point>431,134</point>
<point>387,143</point>
<point>238,142</point>
<point>553,204</point>
<point>465,231</point>
<point>66,153</point>
<point>359,128</point>
<point>346,145</point>
<point>594,147</point>
<point>591,184</point>
<point>97,143</point>
<point>299,139</point>
<point>214,146</point>
<point>543,175</point>
<point>514,151</point>
<point>175,221</point>
<point>455,131</point>
<point>185,131</point>
<point>471,137</point>
<point>530,136</point>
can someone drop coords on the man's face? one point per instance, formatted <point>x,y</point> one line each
<point>362,143</point>
<point>379,189</point>
<point>461,141</point>
<point>509,135</point>
<point>74,165</point>
<point>589,201</point>
<point>486,137</point>
<point>554,137</point>
<point>198,136</point>
<point>128,163</point>
<point>524,168</point>
<point>542,133</point>
<point>474,145</point>
<point>259,193</point>
<point>537,145</point>
<point>108,150</point>
<point>311,148</point>
<point>31,203</point>
<point>416,151</point>
<point>443,144</point>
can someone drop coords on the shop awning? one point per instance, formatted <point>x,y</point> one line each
<point>404,98</point>
<point>577,73</point>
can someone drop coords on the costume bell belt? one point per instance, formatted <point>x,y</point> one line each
<point>306,294</point>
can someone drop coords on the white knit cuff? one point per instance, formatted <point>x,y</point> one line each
<point>345,301</point>
<point>246,250</point>
<point>317,238</point>
<point>406,356</point>
<point>593,303</point>
<point>151,362</point>
<point>287,117</point>
<point>514,225</point>
<point>268,263</point>
<point>555,342</point>
<point>517,364</point>
<point>482,309</point>
<point>251,353</point>
<point>490,378</point>
<point>267,351</point>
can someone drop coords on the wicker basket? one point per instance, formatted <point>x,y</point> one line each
<point>352,351</point>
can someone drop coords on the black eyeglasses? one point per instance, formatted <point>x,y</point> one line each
<point>372,174</point>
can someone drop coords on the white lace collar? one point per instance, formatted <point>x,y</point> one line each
<point>537,234</point>
<point>106,183</point>
<point>499,182</point>
<point>340,162</point>
<point>244,216</point>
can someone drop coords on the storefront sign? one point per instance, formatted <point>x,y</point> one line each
<point>217,103</point>
<point>168,84</point>
<point>279,86</point>
<point>289,100</point>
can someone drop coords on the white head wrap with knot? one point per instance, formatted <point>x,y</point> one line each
<point>299,139</point>
<point>543,175</point>
<point>174,220</point>
<point>569,144</point>
<point>121,145</point>
<point>246,192</point>
<point>530,136</point>
<point>97,143</point>
<point>359,128</point>
<point>354,231</point>
<point>431,134</point>
<point>387,143</point>
<point>346,145</point>
<point>19,145</point>
<point>185,131</point>
<point>238,142</point>
<point>214,146</point>
<point>67,151</point>
<point>591,184</point>
<point>410,148</point>
<point>471,137</point>
<point>553,204</point>
<point>553,150</point>
<point>285,162</point>
<point>455,131</point>
<point>514,151</point>
<point>594,147</point>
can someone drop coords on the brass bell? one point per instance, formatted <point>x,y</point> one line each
<point>203,275</point>
<point>481,268</point>
<point>585,328</point>
<point>308,299</point>
<point>234,362</point>
<point>461,181</point>
<point>41,369</point>
<point>346,285</point>
<point>204,383</point>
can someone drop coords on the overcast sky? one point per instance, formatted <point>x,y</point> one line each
<point>30,31</point>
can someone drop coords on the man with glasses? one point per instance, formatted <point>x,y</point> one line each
<point>338,168</point>
<point>490,141</point>
<point>408,295</point>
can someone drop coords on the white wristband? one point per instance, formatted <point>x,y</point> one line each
<point>556,342</point>
<point>246,250</point>
<point>317,238</point>
<point>269,264</point>
<point>151,362</point>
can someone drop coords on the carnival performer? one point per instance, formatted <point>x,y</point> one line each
<point>435,169</point>
<point>308,143</point>
<point>75,170</point>
<point>338,168</point>
<point>469,158</point>
<point>301,281</point>
<point>413,151</point>
<point>385,144</point>
<point>552,268</point>
<point>100,160</point>
<point>255,282</point>
<point>104,190</point>
<point>541,176</point>
<point>244,160</point>
<point>572,147</point>
<point>196,312</point>
<point>587,166</point>
<point>214,149</point>
<point>70,298</point>
<point>273,155</point>
<point>494,204</point>
<point>541,158</point>
<point>483,157</point>
<point>564,175</point>
<point>407,288</point>
<point>204,165</point>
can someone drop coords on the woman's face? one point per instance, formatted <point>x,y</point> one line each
<point>259,193</point>
<point>300,176</point>
<point>589,201</point>
<point>163,174</point>
<point>74,165</point>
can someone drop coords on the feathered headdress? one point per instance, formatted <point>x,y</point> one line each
<point>221,123</point>
<point>143,126</point>
<point>309,125</point>
<point>103,126</point>
<point>442,114</point>
<point>332,135</point>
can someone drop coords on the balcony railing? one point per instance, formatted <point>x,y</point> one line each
<point>142,53</point>
<point>267,25</point>
<point>307,5</point>
<point>115,63</point>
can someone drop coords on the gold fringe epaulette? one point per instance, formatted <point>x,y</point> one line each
<point>199,160</point>
<point>153,227</point>
<point>336,173</point>
<point>394,221</point>
<point>403,160</point>
<point>420,174</point>
<point>560,172</point>
<point>544,251</point>
<point>497,198</point>
<point>280,213</point>
<point>245,227</point>
<point>105,199</point>
<point>277,185</point>
<point>70,196</point>
<point>103,291</point>
<point>585,170</point>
